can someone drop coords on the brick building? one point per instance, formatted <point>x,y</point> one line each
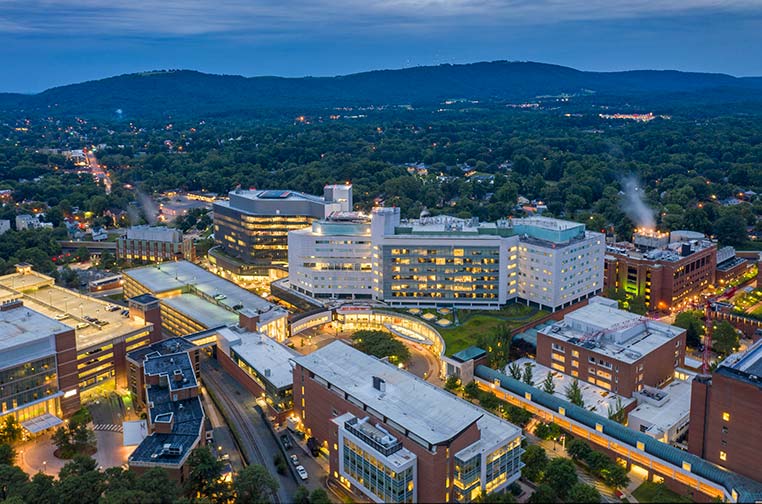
<point>397,438</point>
<point>667,275</point>
<point>611,348</point>
<point>725,412</point>
<point>154,244</point>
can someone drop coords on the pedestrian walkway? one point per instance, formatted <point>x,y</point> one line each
<point>108,427</point>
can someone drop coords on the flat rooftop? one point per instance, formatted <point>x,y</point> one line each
<point>208,314</point>
<point>26,335</point>
<point>612,332</point>
<point>745,365</point>
<point>172,448</point>
<point>186,276</point>
<point>268,357</point>
<point>163,347</point>
<point>177,367</point>
<point>596,399</point>
<point>428,411</point>
<point>676,409</point>
<point>71,307</point>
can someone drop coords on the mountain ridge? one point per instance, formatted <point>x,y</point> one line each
<point>180,92</point>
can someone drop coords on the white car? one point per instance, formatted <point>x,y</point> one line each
<point>294,460</point>
<point>302,472</point>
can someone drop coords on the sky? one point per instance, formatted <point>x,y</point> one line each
<point>47,43</point>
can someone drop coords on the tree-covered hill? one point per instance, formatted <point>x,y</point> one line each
<point>185,93</point>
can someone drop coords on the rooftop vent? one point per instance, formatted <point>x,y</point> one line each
<point>379,384</point>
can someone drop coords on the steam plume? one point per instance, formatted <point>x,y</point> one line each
<point>634,206</point>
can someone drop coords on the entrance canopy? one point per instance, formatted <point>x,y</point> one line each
<point>40,423</point>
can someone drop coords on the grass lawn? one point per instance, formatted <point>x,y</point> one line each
<point>654,492</point>
<point>475,322</point>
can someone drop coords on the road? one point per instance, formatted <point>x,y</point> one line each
<point>99,174</point>
<point>257,443</point>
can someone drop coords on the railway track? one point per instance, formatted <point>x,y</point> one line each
<point>246,440</point>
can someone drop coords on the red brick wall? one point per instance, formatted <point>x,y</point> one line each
<point>743,440</point>
<point>249,384</point>
<point>66,354</point>
<point>321,405</point>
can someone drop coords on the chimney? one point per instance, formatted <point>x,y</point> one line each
<point>11,304</point>
<point>248,319</point>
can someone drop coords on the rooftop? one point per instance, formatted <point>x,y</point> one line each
<point>176,368</point>
<point>26,335</point>
<point>163,347</point>
<point>41,295</point>
<point>612,332</point>
<point>172,448</point>
<point>427,411</point>
<point>269,358</point>
<point>202,311</point>
<point>665,415</point>
<point>746,366</point>
<point>154,233</point>
<point>189,278</point>
<point>596,399</point>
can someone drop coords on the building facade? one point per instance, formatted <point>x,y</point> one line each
<point>332,258</point>
<point>667,275</point>
<point>397,438</point>
<point>611,348</point>
<point>725,412</point>
<point>252,226</point>
<point>154,244</point>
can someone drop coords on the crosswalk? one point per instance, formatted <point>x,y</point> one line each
<point>107,427</point>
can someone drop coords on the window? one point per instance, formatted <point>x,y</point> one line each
<point>726,416</point>
<point>724,429</point>
<point>723,455</point>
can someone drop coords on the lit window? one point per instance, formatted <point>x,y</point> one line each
<point>723,455</point>
<point>726,416</point>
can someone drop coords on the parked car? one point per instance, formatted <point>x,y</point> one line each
<point>294,460</point>
<point>302,472</point>
<point>313,446</point>
<point>286,441</point>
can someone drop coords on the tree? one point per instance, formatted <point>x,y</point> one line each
<point>255,484</point>
<point>561,475</point>
<point>578,449</point>
<point>381,344</point>
<point>496,498</point>
<point>617,413</point>
<point>302,495</point>
<point>41,490</point>
<point>543,494</point>
<point>12,481</point>
<point>547,384</point>
<point>693,325</point>
<point>471,390</point>
<point>615,475</point>
<point>515,370</point>
<point>527,376</point>
<point>204,475</point>
<point>731,229</point>
<point>319,496</point>
<point>574,393</point>
<point>82,254</point>
<point>535,460</point>
<point>583,494</point>
<point>725,339</point>
<point>452,383</point>
<point>61,441</point>
<point>11,430</point>
<point>7,454</point>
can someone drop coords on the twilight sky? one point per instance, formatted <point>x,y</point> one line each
<point>44,43</point>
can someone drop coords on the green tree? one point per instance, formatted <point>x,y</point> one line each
<point>731,229</point>
<point>471,390</point>
<point>82,254</point>
<point>496,498</point>
<point>41,490</point>
<point>535,460</point>
<point>561,475</point>
<point>527,376</point>
<point>578,449</point>
<point>574,393</point>
<point>543,494</point>
<point>319,496</point>
<point>204,475</point>
<point>515,370</point>
<point>725,339</point>
<point>617,413</point>
<point>547,384</point>
<point>11,430</point>
<point>13,481</point>
<point>7,454</point>
<point>692,322</point>
<point>381,344</point>
<point>583,494</point>
<point>452,383</point>
<point>615,476</point>
<point>255,484</point>
<point>302,495</point>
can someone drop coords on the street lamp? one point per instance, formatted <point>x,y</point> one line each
<point>44,466</point>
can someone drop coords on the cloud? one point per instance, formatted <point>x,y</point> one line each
<point>270,18</point>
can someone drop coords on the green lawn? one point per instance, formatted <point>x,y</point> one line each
<point>475,322</point>
<point>654,492</point>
